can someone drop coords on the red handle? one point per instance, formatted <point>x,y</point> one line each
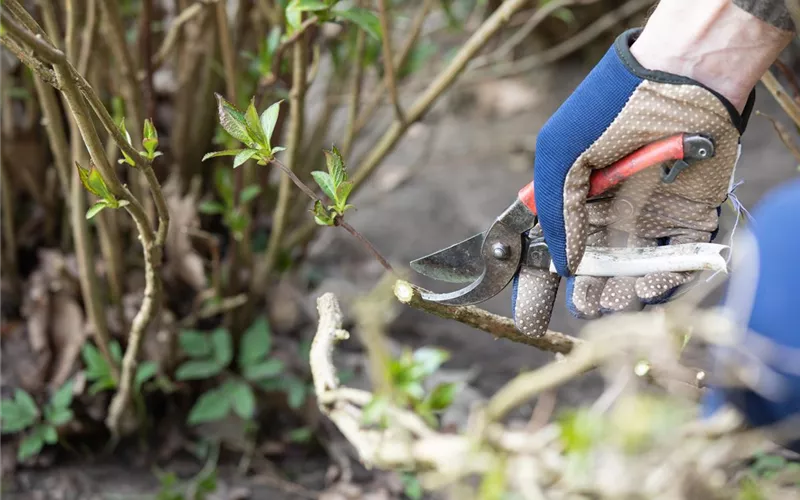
<point>602,180</point>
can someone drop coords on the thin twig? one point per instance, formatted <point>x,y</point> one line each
<point>388,60</point>
<point>411,40</point>
<point>783,134</point>
<point>174,30</point>
<point>214,309</point>
<point>791,78</point>
<point>533,21</point>
<point>784,99</point>
<point>563,49</point>
<point>37,66</point>
<point>293,144</point>
<point>87,37</point>
<point>9,234</point>
<point>355,93</point>
<point>43,49</point>
<point>375,253</point>
<point>145,57</point>
<point>226,48</point>
<point>277,57</point>
<point>498,326</point>
<point>26,19</point>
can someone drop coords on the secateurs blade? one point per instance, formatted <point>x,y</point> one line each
<point>488,261</point>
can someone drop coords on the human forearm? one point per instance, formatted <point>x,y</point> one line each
<point>711,41</point>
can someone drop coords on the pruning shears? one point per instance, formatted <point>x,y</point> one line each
<point>489,260</point>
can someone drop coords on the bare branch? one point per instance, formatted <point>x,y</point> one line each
<point>784,99</point>
<point>388,60</point>
<point>498,326</point>
<point>294,142</point>
<point>35,42</point>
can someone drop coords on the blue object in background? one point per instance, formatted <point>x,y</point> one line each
<point>775,312</point>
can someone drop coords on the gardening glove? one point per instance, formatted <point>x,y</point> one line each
<point>761,299</point>
<point>617,109</point>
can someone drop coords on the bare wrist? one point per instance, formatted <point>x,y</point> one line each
<point>711,41</point>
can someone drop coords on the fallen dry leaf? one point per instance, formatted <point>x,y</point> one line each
<point>68,332</point>
<point>182,260</point>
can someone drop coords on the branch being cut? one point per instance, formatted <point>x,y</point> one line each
<point>498,326</point>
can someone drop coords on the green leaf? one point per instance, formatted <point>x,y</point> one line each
<point>145,372</point>
<point>96,209</point>
<point>243,157</point>
<point>254,124</point>
<point>14,416</point>
<point>26,403</point>
<point>116,351</point>
<point>211,207</point>
<point>30,446</point>
<point>97,184</point>
<point>195,344</point>
<point>62,398</point>
<point>60,416</point>
<point>223,181</point>
<point>442,396</point>
<point>325,182</point>
<point>93,181</point>
<point>212,405</point>
<point>197,370</point>
<point>223,349</point>
<point>365,19</point>
<point>259,371</point>
<point>249,193</point>
<point>335,164</point>
<point>427,360</point>
<point>150,138</point>
<point>243,400</point>
<point>149,130</point>
<point>306,6</point>
<point>256,343</point>
<point>374,411</point>
<point>411,486</point>
<point>96,366</point>
<point>101,385</point>
<point>227,152</point>
<point>296,392</point>
<point>124,131</point>
<point>579,430</point>
<point>268,120</point>
<point>300,435</point>
<point>321,215</point>
<point>233,121</point>
<point>49,434</point>
<point>342,192</point>
<point>277,149</point>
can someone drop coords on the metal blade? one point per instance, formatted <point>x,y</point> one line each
<point>501,251</point>
<point>459,263</point>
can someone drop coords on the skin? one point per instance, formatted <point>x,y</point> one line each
<point>711,41</point>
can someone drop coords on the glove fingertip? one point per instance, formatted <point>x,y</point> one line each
<point>582,301</point>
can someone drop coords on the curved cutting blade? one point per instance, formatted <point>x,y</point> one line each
<point>495,276</point>
<point>459,263</point>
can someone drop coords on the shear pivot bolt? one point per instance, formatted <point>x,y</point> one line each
<point>500,251</point>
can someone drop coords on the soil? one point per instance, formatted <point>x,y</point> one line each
<point>444,182</point>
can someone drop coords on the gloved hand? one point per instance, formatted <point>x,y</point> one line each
<point>762,300</point>
<point>617,109</point>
